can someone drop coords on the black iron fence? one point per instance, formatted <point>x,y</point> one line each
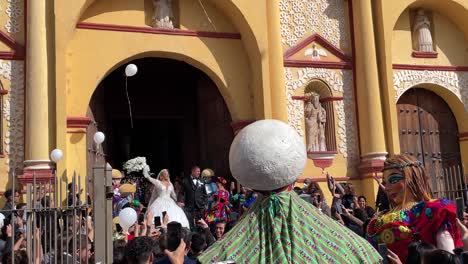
<point>60,222</point>
<point>450,183</point>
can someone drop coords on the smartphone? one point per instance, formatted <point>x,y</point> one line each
<point>174,235</point>
<point>460,208</point>
<point>164,214</point>
<point>157,221</point>
<point>141,218</point>
<point>383,250</point>
<point>338,205</point>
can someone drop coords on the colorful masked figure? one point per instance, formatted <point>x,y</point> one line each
<point>414,214</point>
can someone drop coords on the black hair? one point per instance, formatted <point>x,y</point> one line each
<point>198,243</point>
<point>362,197</point>
<point>439,256</point>
<point>8,193</point>
<point>416,250</point>
<point>20,256</point>
<point>139,250</point>
<point>119,251</point>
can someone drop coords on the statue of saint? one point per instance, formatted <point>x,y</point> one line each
<point>162,14</point>
<point>315,119</point>
<point>422,32</point>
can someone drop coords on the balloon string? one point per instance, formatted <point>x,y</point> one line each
<point>129,105</point>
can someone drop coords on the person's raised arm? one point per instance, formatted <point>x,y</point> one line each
<point>146,174</point>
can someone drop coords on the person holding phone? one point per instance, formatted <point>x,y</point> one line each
<point>163,198</point>
<point>413,211</point>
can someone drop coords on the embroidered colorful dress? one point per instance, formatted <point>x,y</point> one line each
<point>397,228</point>
<point>220,210</point>
<point>283,228</point>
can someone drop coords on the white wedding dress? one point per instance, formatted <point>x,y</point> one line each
<point>163,199</point>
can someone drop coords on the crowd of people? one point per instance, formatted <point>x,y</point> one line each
<point>407,220</point>
<point>203,218</point>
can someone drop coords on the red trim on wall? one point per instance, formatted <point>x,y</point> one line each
<point>425,55</point>
<point>319,40</point>
<point>322,100</point>
<point>317,64</point>
<point>11,42</point>
<point>334,98</point>
<point>429,67</point>
<point>238,125</point>
<point>78,122</point>
<point>148,30</point>
<point>11,55</point>
<point>353,61</point>
<point>463,136</point>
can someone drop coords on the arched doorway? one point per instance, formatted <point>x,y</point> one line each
<point>429,131</point>
<point>179,118</point>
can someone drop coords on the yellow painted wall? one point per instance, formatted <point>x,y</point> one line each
<point>395,46</point>
<point>451,44</point>
<point>85,57</point>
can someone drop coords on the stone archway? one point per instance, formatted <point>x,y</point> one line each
<point>179,118</point>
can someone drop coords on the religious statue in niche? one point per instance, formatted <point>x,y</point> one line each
<point>422,32</point>
<point>163,15</point>
<point>315,118</point>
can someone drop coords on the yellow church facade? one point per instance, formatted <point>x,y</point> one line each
<point>390,76</point>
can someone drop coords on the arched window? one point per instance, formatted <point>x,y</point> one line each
<point>320,132</point>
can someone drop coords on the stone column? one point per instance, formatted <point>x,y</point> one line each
<point>368,92</point>
<point>37,90</point>
<point>275,56</point>
<point>371,126</point>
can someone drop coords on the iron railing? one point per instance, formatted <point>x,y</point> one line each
<point>60,222</point>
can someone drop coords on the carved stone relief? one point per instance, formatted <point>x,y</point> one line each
<point>315,119</point>
<point>455,82</point>
<point>13,112</point>
<point>327,19</point>
<point>14,12</point>
<point>163,15</point>
<point>422,32</point>
<point>339,81</point>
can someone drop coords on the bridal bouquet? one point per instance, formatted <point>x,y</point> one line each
<point>134,165</point>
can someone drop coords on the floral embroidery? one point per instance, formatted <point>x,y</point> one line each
<point>387,236</point>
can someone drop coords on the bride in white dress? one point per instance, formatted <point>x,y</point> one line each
<point>164,198</point>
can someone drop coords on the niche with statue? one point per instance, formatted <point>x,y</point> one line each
<point>319,123</point>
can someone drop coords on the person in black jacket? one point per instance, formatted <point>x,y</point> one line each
<point>193,197</point>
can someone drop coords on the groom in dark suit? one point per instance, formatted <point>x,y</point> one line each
<point>193,196</point>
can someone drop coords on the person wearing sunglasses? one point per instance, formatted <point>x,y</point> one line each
<point>413,212</point>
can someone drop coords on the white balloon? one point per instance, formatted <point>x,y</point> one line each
<point>131,70</point>
<point>56,155</point>
<point>127,218</point>
<point>99,137</point>
<point>2,217</point>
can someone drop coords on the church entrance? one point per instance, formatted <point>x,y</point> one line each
<point>429,132</point>
<point>179,118</point>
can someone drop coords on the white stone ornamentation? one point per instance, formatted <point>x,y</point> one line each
<point>324,17</point>
<point>13,112</point>
<point>14,12</point>
<point>455,82</point>
<point>339,81</point>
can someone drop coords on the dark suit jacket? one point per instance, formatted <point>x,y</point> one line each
<point>194,197</point>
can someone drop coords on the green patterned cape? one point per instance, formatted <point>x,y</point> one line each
<point>283,228</point>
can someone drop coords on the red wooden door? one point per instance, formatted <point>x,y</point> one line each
<point>428,131</point>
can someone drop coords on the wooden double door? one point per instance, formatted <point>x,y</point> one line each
<point>428,131</point>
